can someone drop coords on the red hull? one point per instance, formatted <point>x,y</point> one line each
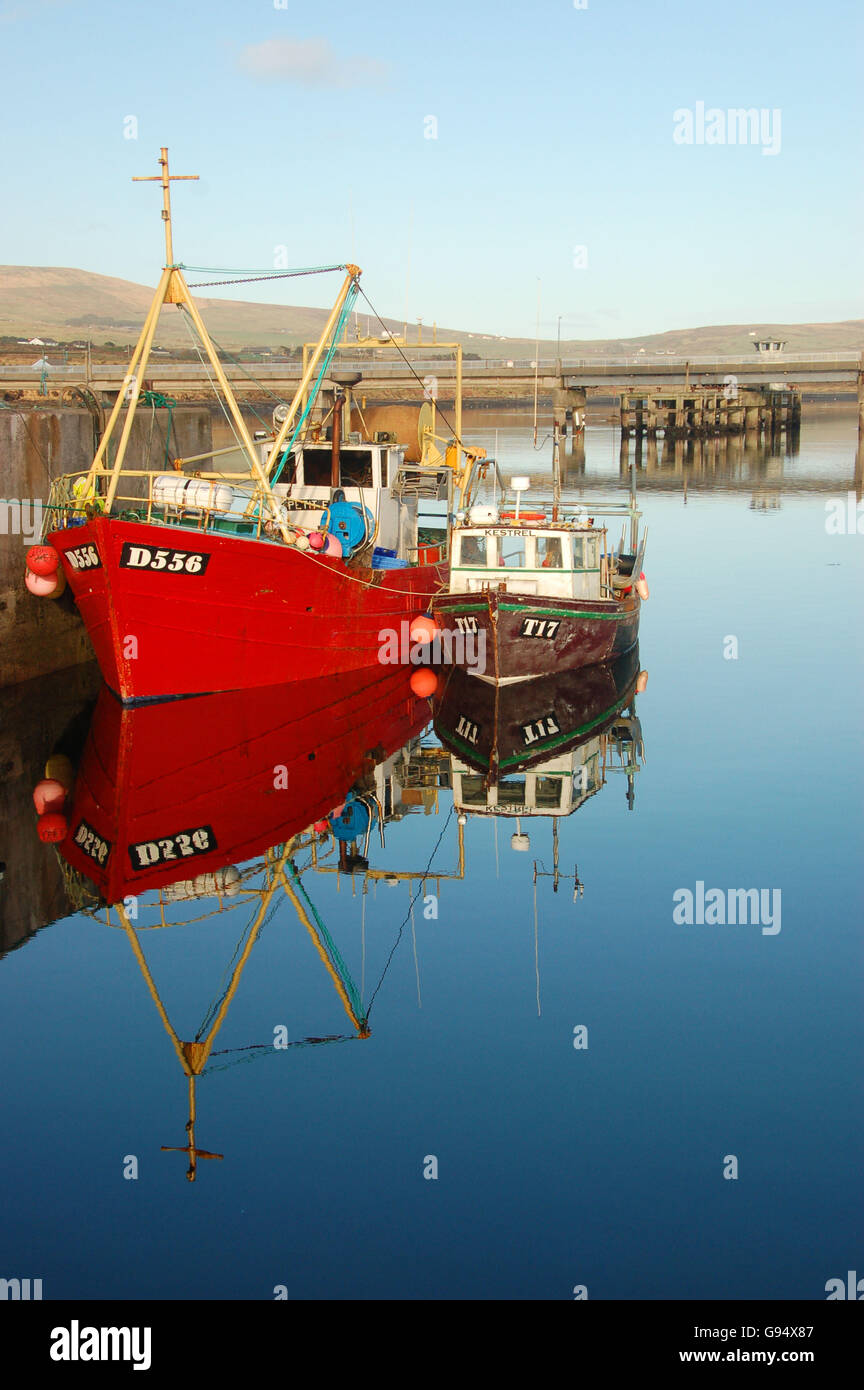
<point>233,615</point>
<point>218,780</point>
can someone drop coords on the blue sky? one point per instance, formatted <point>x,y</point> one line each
<point>308,127</point>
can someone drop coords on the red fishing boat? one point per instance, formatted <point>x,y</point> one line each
<point>180,791</point>
<point>194,581</point>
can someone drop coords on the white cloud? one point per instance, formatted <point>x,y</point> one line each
<point>11,14</point>
<point>308,62</point>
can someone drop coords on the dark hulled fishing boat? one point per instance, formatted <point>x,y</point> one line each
<point>541,589</point>
<point>508,729</point>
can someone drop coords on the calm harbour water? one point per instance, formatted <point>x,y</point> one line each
<point>557,1166</point>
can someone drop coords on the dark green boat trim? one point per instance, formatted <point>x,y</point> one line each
<point>545,745</point>
<point>532,612</point>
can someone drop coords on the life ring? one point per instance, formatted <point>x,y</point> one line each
<point>523,516</point>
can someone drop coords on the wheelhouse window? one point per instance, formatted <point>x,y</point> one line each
<point>474,550</point>
<point>548,793</point>
<point>355,467</point>
<point>585,552</point>
<point>511,791</point>
<point>317,465</point>
<point>513,552</point>
<point>473,790</point>
<point>549,554</point>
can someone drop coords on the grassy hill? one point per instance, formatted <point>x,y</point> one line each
<point>69,305</point>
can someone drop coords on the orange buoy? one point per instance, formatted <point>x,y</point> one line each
<point>321,827</point>
<point>523,516</point>
<point>424,682</point>
<point>43,559</point>
<point>59,769</point>
<point>59,584</point>
<point>41,585</point>
<point>642,587</point>
<point>52,828</point>
<point>423,629</point>
<point>49,795</point>
<point>641,682</point>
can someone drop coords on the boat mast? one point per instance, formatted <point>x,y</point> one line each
<point>173,289</point>
<point>353,273</point>
<point>556,469</point>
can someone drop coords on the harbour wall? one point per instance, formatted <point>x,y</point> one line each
<point>36,718</point>
<point>37,445</point>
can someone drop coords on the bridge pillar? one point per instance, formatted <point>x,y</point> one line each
<point>568,408</point>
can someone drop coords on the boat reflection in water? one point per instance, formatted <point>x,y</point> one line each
<point>184,810</point>
<point>184,789</point>
<point>541,748</point>
<point>196,808</point>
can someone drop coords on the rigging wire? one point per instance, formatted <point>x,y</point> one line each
<point>410,366</point>
<point>217,1001</point>
<point>536,948</point>
<point>347,307</point>
<point>407,916</point>
<point>246,277</point>
<point>197,346</point>
<point>416,961</point>
<point>262,385</point>
<point>250,1052</point>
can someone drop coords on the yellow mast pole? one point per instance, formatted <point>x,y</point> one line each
<point>165,291</point>
<point>173,289</point>
<point>303,373</point>
<point>149,334</point>
<point>360,1025</point>
<point>242,429</point>
<point>148,980</point>
<point>193,1056</point>
<point>155,306</point>
<point>353,273</point>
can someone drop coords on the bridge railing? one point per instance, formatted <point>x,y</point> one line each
<point>116,371</point>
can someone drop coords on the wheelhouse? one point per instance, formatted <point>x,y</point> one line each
<point>555,561</point>
<point>554,788</point>
<point>406,506</point>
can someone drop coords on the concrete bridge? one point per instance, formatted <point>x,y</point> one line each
<point>502,378</point>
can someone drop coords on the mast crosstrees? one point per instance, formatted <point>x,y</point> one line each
<point>166,179</point>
